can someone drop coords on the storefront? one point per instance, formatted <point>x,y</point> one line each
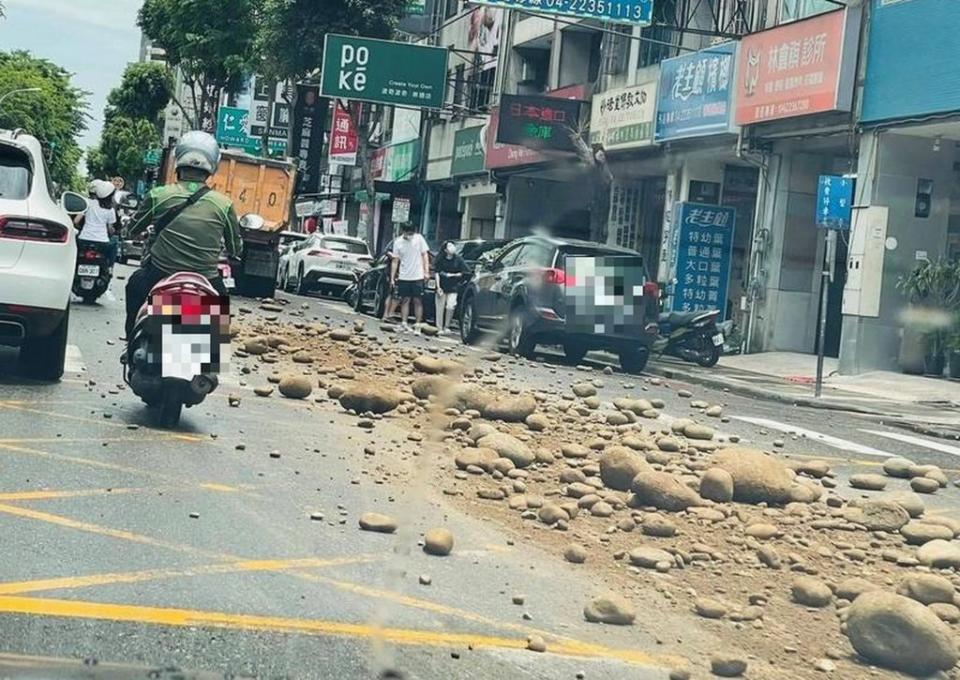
<point>793,98</point>
<point>477,194</point>
<point>908,188</point>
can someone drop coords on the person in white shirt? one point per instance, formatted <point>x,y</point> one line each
<point>97,223</point>
<point>409,270</point>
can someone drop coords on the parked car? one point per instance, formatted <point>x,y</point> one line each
<point>474,251</point>
<point>288,240</point>
<point>324,262</point>
<point>524,294</point>
<point>374,283</point>
<point>38,251</point>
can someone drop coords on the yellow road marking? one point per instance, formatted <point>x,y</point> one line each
<point>82,461</point>
<point>47,495</point>
<point>219,487</point>
<point>59,520</point>
<point>73,582</point>
<point>170,616</point>
<point>84,440</point>
<point>64,416</point>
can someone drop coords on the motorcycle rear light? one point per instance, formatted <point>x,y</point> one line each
<point>90,255</point>
<point>26,229</point>
<point>651,290</point>
<point>555,276</point>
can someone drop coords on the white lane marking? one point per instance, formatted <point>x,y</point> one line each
<point>917,441</point>
<point>835,442</point>
<point>73,362</point>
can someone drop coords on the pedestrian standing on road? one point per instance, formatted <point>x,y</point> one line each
<point>451,270</point>
<point>409,270</point>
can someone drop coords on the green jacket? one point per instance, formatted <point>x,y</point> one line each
<point>194,240</point>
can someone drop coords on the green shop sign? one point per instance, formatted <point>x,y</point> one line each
<point>468,151</point>
<point>384,72</point>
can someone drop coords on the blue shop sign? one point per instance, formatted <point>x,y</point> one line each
<point>703,256</point>
<point>694,98</point>
<point>911,63</point>
<point>834,202</point>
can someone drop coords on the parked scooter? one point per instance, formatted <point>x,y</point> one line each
<point>352,293</point>
<point>162,365</point>
<point>691,336</point>
<point>92,275</point>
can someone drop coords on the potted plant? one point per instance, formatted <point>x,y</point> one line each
<point>933,288</point>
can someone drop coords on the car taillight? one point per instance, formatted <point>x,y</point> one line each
<point>26,229</point>
<point>555,276</point>
<point>651,290</point>
<point>320,252</point>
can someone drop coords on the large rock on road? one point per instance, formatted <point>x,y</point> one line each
<point>508,446</point>
<point>663,491</point>
<point>757,477</point>
<point>365,398</point>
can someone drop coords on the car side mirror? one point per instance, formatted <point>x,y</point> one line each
<point>73,203</point>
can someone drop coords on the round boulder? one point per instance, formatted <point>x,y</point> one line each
<point>926,588</point>
<point>429,385</point>
<point>664,491</point>
<point>717,485</point>
<point>940,554</point>
<point>508,446</point>
<point>364,398</point>
<point>295,387</point>
<point>619,465</point>
<point>432,365</point>
<point>374,521</point>
<point>868,482</point>
<point>610,608</point>
<point>757,477</point>
<point>438,542</point>
<point>878,515</point>
<point>897,467</point>
<point>811,592</point>
<point>510,409</point>
<point>918,533</point>
<point>899,633</point>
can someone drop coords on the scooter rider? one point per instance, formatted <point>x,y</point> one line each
<point>191,223</point>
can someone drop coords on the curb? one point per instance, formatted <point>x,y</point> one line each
<point>893,419</point>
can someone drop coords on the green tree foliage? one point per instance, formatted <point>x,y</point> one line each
<point>292,32</point>
<point>56,115</point>
<point>122,146</point>
<point>211,41</point>
<point>143,93</point>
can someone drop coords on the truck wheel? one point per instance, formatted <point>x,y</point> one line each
<point>44,358</point>
<point>634,359</point>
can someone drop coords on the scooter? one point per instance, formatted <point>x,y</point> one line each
<point>163,365</point>
<point>92,274</point>
<point>351,295</point>
<point>691,336</point>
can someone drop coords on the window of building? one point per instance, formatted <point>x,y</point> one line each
<point>459,87</point>
<point>452,8</point>
<point>792,10</point>
<point>661,37</point>
<point>616,50</point>
<point>481,89</point>
<point>534,69</point>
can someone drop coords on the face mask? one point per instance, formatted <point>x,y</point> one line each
<point>450,249</point>
<point>407,236</point>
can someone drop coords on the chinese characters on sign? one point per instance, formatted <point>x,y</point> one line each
<point>799,68</point>
<point>623,118</point>
<point>538,122</point>
<point>343,137</point>
<point>694,97</point>
<point>618,11</point>
<point>468,157</point>
<point>310,116</point>
<point>703,257</point>
<point>834,202</point>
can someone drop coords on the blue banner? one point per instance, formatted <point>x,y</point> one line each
<point>703,256</point>
<point>694,98</point>
<point>834,202</point>
<point>618,11</point>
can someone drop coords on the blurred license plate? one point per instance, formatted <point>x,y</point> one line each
<point>229,283</point>
<point>88,270</point>
<point>718,339</point>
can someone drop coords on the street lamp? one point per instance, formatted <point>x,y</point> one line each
<point>20,91</point>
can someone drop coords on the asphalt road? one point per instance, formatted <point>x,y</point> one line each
<point>134,545</point>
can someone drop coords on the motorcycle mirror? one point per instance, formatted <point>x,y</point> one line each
<point>252,221</point>
<point>73,203</point>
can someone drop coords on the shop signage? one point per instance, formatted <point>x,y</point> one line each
<point>703,256</point>
<point>623,118</point>
<point>618,11</point>
<point>339,227</point>
<point>384,72</point>
<point>907,73</point>
<point>468,156</point>
<point>151,157</point>
<point>834,202</point>
<point>538,122</point>
<point>232,125</point>
<point>343,138</point>
<point>309,119</point>
<point>798,69</point>
<point>305,208</point>
<point>401,210</point>
<point>396,163</point>
<point>509,155</point>
<point>695,93</point>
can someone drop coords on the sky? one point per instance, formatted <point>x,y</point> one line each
<point>93,39</point>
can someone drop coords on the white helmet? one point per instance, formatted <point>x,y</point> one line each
<point>102,189</point>
<point>198,150</point>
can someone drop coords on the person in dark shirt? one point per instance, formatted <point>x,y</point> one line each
<point>451,271</point>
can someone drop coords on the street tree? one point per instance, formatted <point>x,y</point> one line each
<point>210,41</point>
<point>56,114</point>
<point>144,92</point>
<point>291,37</point>
<point>123,144</point>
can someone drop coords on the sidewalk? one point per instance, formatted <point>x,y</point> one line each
<point>925,405</point>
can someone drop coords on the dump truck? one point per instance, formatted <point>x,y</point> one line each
<point>258,186</point>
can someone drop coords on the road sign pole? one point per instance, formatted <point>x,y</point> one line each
<point>829,251</point>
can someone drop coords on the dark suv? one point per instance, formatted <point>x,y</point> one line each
<point>578,294</point>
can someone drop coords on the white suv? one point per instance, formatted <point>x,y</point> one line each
<point>325,262</point>
<point>38,251</point>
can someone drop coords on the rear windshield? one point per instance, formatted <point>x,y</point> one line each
<point>14,174</point>
<point>590,251</point>
<point>472,250</point>
<point>345,246</point>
